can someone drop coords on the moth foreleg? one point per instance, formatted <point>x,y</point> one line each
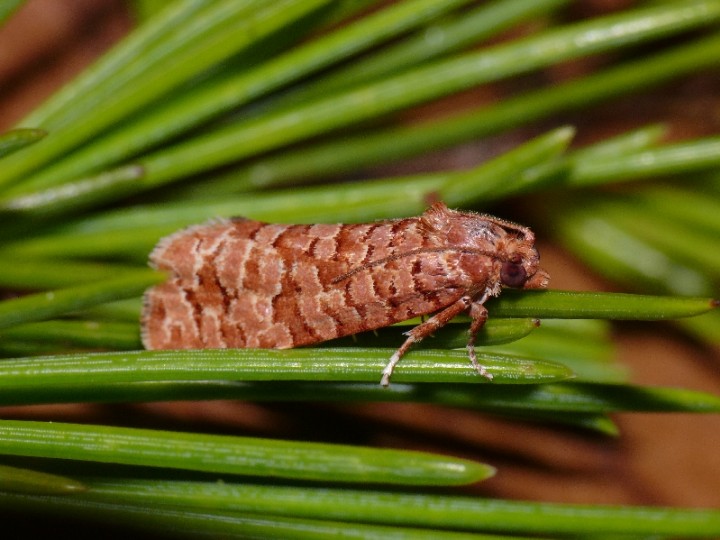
<point>479,314</point>
<point>423,330</point>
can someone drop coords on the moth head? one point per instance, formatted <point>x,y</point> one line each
<point>508,249</point>
<point>520,261</point>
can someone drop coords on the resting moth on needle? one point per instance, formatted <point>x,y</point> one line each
<point>242,283</point>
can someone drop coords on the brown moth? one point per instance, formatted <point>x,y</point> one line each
<point>243,283</point>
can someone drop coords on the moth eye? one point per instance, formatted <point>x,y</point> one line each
<point>513,274</point>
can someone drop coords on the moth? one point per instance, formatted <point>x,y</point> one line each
<point>243,283</point>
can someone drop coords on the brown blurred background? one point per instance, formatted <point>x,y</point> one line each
<point>659,459</point>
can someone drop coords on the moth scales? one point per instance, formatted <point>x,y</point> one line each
<point>243,283</point>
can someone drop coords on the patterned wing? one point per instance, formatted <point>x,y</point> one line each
<point>245,283</point>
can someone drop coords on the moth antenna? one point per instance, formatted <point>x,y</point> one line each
<point>389,258</point>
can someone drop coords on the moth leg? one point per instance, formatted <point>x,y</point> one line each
<point>479,314</point>
<point>423,330</point>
